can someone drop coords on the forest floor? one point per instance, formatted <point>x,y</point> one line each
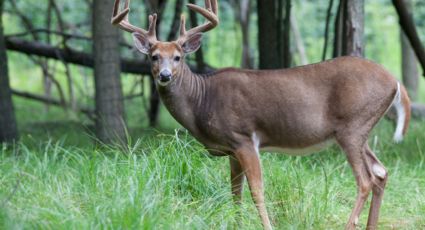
<point>57,178</point>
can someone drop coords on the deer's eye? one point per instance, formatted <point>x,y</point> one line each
<point>155,58</point>
<point>177,58</point>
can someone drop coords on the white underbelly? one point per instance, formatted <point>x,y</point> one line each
<point>300,151</point>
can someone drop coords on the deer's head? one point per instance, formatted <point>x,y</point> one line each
<point>167,58</point>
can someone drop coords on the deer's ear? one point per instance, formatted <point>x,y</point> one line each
<point>192,44</point>
<point>141,42</point>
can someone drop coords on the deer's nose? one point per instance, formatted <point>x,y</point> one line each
<point>165,75</point>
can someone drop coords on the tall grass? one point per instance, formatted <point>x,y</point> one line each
<point>169,182</point>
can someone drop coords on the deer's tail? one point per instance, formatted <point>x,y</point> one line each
<point>401,104</point>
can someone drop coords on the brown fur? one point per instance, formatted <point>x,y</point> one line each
<point>291,108</point>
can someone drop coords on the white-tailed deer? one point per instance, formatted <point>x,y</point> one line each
<point>236,112</point>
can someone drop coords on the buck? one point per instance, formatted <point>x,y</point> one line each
<point>237,112</point>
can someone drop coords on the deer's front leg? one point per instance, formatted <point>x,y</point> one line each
<point>250,163</point>
<point>237,178</point>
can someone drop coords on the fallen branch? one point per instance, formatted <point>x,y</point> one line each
<point>89,112</point>
<point>64,35</point>
<point>70,55</point>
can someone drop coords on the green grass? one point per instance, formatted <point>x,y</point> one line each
<point>167,181</point>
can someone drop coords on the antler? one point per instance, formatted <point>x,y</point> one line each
<point>121,20</point>
<point>210,12</point>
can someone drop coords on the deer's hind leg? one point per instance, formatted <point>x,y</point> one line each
<point>354,148</point>
<point>379,180</point>
<point>370,175</point>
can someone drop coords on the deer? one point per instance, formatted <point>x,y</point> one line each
<point>301,110</point>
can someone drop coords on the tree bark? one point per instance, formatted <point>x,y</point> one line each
<point>267,35</point>
<point>8,128</point>
<point>353,28</point>
<point>408,26</point>
<point>286,35</point>
<point>280,30</point>
<point>339,27</point>
<point>242,10</point>
<point>409,66</point>
<point>328,18</point>
<point>274,25</point>
<point>110,123</point>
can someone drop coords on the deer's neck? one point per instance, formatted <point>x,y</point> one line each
<point>184,97</point>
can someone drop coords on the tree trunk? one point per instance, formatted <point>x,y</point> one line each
<point>267,35</point>
<point>409,62</point>
<point>408,26</point>
<point>8,129</point>
<point>338,28</point>
<point>154,104</point>
<point>298,40</point>
<point>328,18</point>
<point>286,36</point>
<point>110,124</point>
<point>274,25</point>
<point>353,28</point>
<point>242,10</point>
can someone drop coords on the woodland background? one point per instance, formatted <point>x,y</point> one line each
<point>87,143</point>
